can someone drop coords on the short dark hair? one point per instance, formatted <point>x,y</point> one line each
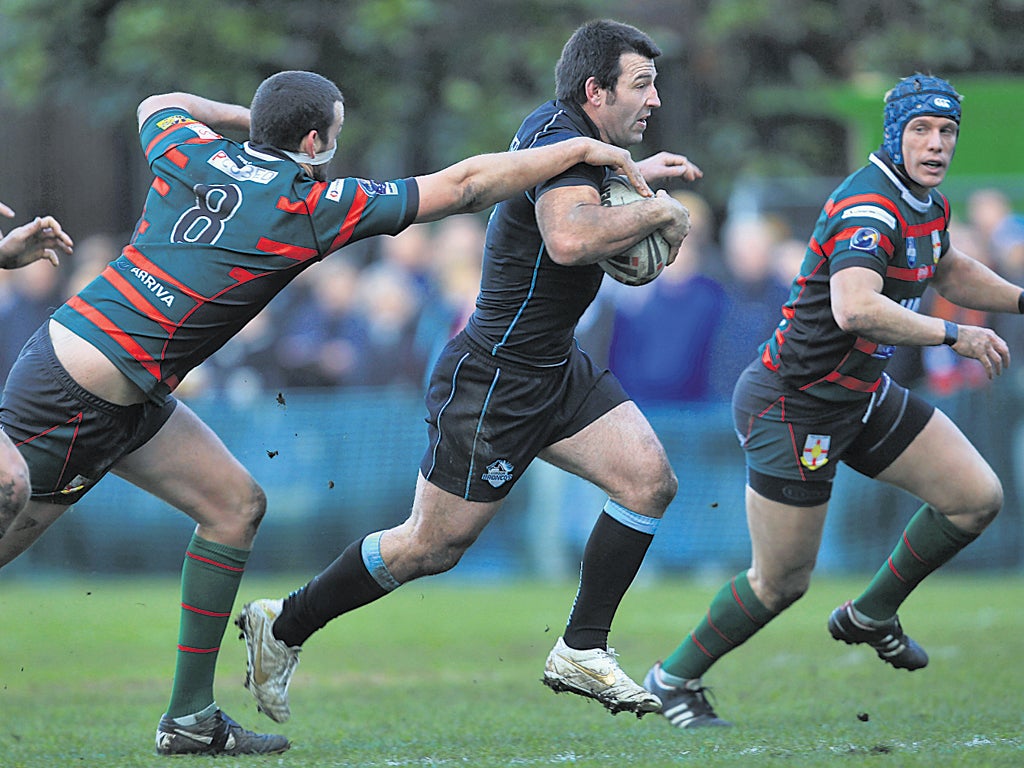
<point>594,51</point>
<point>289,105</point>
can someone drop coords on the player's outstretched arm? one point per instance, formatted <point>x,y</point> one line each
<point>481,181</point>
<point>41,238</point>
<point>217,114</point>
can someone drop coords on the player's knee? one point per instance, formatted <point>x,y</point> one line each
<point>978,505</point>
<point>653,488</point>
<point>14,492</point>
<point>778,593</point>
<point>257,506</point>
<point>426,551</point>
<point>14,486</point>
<point>438,558</point>
<point>987,504</point>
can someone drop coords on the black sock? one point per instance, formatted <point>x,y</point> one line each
<point>341,587</point>
<point>611,560</point>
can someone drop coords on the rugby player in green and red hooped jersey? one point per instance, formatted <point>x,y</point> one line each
<point>818,394</point>
<point>225,227</point>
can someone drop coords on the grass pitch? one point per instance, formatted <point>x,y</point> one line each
<point>447,673</point>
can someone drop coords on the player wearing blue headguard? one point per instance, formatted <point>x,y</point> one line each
<point>818,394</point>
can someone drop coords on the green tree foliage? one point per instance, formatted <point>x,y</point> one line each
<point>744,83</point>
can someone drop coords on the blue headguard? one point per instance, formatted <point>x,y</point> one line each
<point>914,96</point>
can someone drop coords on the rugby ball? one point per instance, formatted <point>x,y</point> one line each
<point>642,262</point>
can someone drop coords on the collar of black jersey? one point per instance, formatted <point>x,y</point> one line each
<point>578,114</point>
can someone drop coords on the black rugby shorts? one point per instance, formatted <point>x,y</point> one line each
<point>488,418</point>
<point>69,437</point>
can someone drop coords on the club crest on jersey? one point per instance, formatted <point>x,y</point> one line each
<point>815,453</point>
<point>498,473</point>
<point>371,187</point>
<point>936,246</point>
<point>865,239</point>
<point>911,251</point>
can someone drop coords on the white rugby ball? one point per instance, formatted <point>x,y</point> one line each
<point>642,262</point>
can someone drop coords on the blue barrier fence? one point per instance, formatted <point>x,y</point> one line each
<point>338,464</point>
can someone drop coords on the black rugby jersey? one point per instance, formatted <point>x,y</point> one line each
<point>528,305</point>
<point>225,227</point>
<point>871,220</point>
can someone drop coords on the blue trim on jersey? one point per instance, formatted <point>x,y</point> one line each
<point>476,435</point>
<point>524,305</point>
<point>374,562</point>
<point>631,519</point>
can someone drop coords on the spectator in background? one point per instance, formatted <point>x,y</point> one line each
<point>412,252</point>
<point>324,335</point>
<point>457,245</point>
<point>943,370</point>
<point>664,333</point>
<point>248,366</point>
<point>1000,231</point>
<point>27,301</point>
<point>92,254</point>
<point>1000,239</point>
<point>389,302</point>
<point>754,295</point>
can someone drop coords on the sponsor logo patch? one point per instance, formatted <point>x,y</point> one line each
<point>240,169</point>
<point>167,122</point>
<point>162,294</point>
<point>871,212</point>
<point>203,131</point>
<point>334,190</point>
<point>865,239</point>
<point>911,251</point>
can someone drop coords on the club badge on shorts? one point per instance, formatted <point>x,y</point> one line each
<point>815,453</point>
<point>498,473</point>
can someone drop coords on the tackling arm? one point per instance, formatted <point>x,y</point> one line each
<point>481,181</point>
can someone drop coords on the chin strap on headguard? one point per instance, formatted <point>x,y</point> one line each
<point>912,97</point>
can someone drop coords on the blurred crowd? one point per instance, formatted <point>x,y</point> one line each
<point>377,313</point>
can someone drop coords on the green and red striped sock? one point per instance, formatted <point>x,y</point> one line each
<point>210,577</point>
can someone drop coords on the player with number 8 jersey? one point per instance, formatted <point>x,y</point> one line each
<point>162,308</point>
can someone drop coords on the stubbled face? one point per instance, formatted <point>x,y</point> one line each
<point>928,145</point>
<point>622,114</point>
<point>319,172</point>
